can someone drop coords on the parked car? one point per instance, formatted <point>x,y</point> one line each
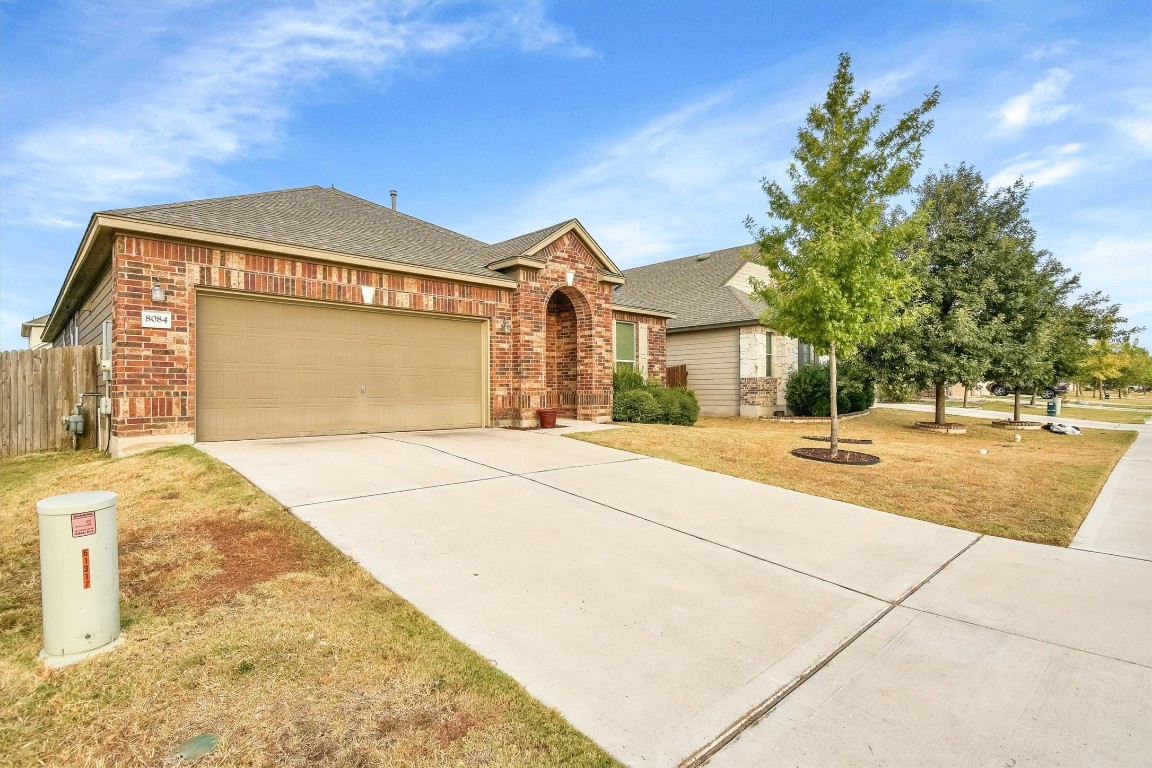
<point>1047,392</point>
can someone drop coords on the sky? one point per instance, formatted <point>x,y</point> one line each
<point>654,122</point>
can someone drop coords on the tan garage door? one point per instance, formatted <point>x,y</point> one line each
<point>269,368</point>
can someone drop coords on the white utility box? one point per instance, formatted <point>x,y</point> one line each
<point>79,575</point>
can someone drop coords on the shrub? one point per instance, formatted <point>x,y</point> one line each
<point>808,389</point>
<point>679,405</point>
<point>655,405</point>
<point>626,378</point>
<point>637,405</point>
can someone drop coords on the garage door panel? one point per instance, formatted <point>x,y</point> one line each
<point>281,369</point>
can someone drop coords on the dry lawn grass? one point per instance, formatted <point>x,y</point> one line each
<point>1037,490</point>
<point>241,621</point>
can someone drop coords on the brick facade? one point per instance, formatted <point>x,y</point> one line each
<point>558,350</point>
<point>591,302</point>
<point>760,391</point>
<point>653,343</point>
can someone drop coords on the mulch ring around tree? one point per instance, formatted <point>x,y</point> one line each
<point>842,457</point>
<point>1022,425</point>
<point>947,429</point>
<point>850,440</point>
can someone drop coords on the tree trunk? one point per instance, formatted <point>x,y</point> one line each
<point>1033,400</point>
<point>965,397</point>
<point>835,436</point>
<point>940,416</point>
<point>1016,404</point>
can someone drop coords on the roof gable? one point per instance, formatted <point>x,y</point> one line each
<point>698,289</point>
<point>529,245</point>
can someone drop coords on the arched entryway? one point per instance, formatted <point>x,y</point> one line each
<point>562,355</point>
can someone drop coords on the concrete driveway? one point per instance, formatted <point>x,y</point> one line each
<point>676,615</point>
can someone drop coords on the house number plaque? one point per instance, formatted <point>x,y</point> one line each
<point>150,318</point>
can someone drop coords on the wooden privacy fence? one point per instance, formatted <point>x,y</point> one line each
<point>677,375</point>
<point>38,388</point>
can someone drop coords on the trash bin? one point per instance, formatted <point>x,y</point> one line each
<point>1052,410</point>
<point>79,574</point>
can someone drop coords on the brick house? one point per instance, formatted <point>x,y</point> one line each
<point>736,365</point>
<point>312,312</point>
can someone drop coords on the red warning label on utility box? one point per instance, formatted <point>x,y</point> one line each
<point>83,524</point>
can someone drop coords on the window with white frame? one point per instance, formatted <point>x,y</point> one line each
<point>626,344</point>
<point>768,354</point>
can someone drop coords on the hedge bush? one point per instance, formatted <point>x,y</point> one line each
<point>637,405</point>
<point>807,392</point>
<point>679,405</point>
<point>626,378</point>
<point>633,399</point>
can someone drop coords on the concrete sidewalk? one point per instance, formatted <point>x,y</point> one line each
<point>679,616</point>
<point>1120,521</point>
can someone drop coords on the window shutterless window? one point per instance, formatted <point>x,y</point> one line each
<point>805,357</point>
<point>767,354</point>
<point>626,344</point>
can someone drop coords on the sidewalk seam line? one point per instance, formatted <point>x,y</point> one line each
<point>759,712</point>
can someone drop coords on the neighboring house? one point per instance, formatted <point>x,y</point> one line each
<point>736,366</point>
<point>313,312</point>
<point>33,330</point>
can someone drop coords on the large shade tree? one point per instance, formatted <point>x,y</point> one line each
<point>948,336</point>
<point>836,281</point>
<point>1025,296</point>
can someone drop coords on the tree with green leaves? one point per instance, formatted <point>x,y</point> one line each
<point>948,337</point>
<point>1101,337</point>
<point>836,281</point>
<point>1024,298</point>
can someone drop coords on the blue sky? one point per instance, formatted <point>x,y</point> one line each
<point>651,122</point>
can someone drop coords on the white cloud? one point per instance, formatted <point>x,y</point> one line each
<point>1042,104</point>
<point>1051,50</point>
<point>1135,122</point>
<point>1053,165</point>
<point>684,180</point>
<point>212,102</point>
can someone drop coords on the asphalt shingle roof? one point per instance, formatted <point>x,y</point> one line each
<point>331,220</point>
<point>517,245</point>
<point>692,288</point>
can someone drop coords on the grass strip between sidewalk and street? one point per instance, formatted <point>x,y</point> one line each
<point>241,621</point>
<point>1039,412</point>
<point>1039,489</point>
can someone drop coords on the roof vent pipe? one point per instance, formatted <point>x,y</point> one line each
<point>392,192</point>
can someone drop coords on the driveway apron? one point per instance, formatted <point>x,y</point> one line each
<point>678,616</point>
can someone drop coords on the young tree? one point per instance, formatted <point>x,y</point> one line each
<point>835,279</point>
<point>948,338</point>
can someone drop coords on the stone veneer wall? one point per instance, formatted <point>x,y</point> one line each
<point>762,394</point>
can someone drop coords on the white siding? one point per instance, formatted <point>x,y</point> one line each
<point>713,360</point>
